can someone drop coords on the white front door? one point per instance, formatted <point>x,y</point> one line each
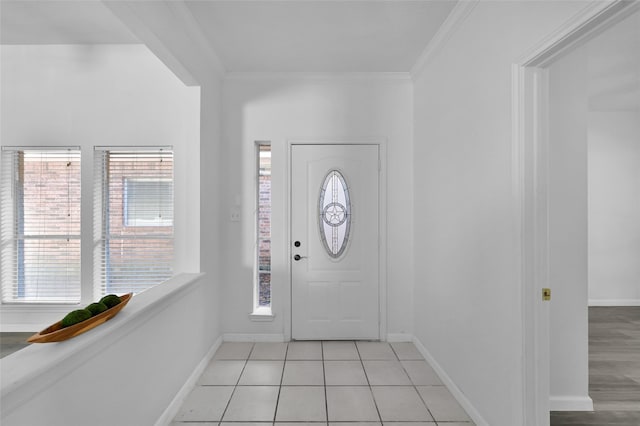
<point>335,242</point>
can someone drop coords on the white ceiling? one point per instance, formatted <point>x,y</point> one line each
<point>297,35</point>
<point>60,22</point>
<point>326,36</point>
<point>258,35</point>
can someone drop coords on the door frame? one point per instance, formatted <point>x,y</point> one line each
<point>530,180</point>
<point>382,229</point>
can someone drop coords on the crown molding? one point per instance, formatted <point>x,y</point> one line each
<point>458,14</point>
<point>318,76</point>
<point>590,21</point>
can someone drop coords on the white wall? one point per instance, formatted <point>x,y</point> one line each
<point>312,108</point>
<point>467,297</point>
<point>101,95</point>
<point>212,190</point>
<point>614,164</point>
<point>567,213</point>
<point>614,207</point>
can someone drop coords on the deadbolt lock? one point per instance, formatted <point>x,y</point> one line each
<point>546,294</point>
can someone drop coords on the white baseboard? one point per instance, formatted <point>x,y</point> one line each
<point>570,403</point>
<point>172,410</point>
<point>614,302</point>
<point>242,337</point>
<point>451,386</point>
<point>399,337</point>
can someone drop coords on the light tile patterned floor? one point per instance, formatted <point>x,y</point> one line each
<point>334,383</point>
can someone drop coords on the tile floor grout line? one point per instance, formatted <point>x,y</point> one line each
<point>415,387</point>
<point>246,361</point>
<point>284,365</point>
<point>324,378</point>
<point>423,401</point>
<point>368,383</point>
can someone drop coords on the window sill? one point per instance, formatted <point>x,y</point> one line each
<point>32,317</point>
<point>263,313</point>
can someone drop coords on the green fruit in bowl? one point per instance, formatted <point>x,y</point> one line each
<point>96,308</point>
<point>74,317</point>
<point>110,300</point>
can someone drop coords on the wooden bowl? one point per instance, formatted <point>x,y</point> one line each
<point>55,332</point>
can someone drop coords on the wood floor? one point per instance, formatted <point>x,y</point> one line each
<point>12,342</point>
<point>614,370</point>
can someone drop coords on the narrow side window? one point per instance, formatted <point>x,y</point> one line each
<point>262,293</point>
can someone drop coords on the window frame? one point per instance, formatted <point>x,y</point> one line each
<point>262,312</point>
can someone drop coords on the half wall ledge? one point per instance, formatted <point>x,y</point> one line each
<point>42,377</point>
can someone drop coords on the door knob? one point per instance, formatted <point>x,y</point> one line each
<point>298,257</point>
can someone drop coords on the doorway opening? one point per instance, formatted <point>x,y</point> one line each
<point>534,170</point>
<point>594,159</point>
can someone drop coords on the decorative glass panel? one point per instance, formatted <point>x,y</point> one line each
<point>263,291</point>
<point>334,214</point>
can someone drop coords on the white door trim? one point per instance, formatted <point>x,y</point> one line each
<point>530,183</point>
<point>382,253</point>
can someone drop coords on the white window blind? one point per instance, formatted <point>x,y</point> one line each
<point>40,225</point>
<point>133,218</point>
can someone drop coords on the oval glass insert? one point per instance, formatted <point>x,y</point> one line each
<point>334,214</point>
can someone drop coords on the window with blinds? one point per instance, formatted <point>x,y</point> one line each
<point>40,225</point>
<point>133,214</point>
